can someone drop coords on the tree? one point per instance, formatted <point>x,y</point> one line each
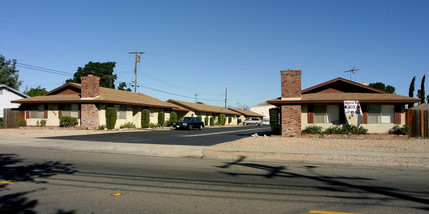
<point>383,87</point>
<point>103,70</point>
<point>8,73</point>
<point>122,86</point>
<point>411,91</point>
<point>427,99</point>
<point>422,90</point>
<point>33,92</point>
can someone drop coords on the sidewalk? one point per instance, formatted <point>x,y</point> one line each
<point>229,153</point>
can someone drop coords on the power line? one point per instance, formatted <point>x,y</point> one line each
<point>42,69</point>
<point>174,94</point>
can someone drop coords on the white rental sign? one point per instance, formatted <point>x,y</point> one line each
<point>352,107</point>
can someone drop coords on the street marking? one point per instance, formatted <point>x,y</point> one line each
<point>328,212</point>
<point>197,135</point>
<point>117,194</point>
<point>5,182</point>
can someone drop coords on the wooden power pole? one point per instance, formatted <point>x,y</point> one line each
<point>135,68</point>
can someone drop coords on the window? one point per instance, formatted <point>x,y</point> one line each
<point>381,113</point>
<point>37,111</point>
<point>122,111</point>
<point>70,110</point>
<point>327,114</point>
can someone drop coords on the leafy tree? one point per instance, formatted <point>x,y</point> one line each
<point>419,95</point>
<point>33,92</point>
<point>383,87</point>
<point>122,86</point>
<point>411,91</point>
<point>8,73</point>
<point>422,90</point>
<point>427,99</point>
<point>103,70</point>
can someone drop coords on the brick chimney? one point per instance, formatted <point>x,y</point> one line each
<point>90,86</point>
<point>291,113</point>
<point>291,84</point>
<point>90,89</point>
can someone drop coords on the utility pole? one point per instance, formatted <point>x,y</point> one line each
<point>135,68</point>
<point>196,95</point>
<point>226,95</point>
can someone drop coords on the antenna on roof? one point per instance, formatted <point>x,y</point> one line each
<point>352,71</point>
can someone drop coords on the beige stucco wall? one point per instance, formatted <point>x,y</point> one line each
<point>372,128</point>
<point>52,120</point>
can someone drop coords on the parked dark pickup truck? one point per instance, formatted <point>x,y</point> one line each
<point>189,123</point>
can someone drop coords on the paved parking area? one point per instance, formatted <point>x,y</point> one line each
<point>205,137</point>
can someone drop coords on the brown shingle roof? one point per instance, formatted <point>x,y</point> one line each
<point>247,113</point>
<point>106,95</point>
<point>340,97</point>
<point>203,107</point>
<point>424,106</point>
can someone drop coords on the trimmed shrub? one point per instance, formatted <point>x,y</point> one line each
<point>1,123</point>
<point>128,125</point>
<point>22,122</point>
<point>229,120</point>
<point>145,118</point>
<point>274,121</point>
<point>67,121</point>
<point>221,120</point>
<point>111,116</point>
<point>102,127</point>
<point>161,118</point>
<point>199,117</point>
<point>404,130</point>
<point>43,123</point>
<point>173,117</point>
<point>312,130</point>
<point>212,121</point>
<point>206,120</point>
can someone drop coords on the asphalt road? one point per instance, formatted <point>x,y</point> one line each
<point>82,182</point>
<point>205,137</point>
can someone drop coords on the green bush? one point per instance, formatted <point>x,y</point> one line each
<point>212,121</point>
<point>206,120</point>
<point>352,129</point>
<point>173,117</point>
<point>312,130</point>
<point>145,118</point>
<point>43,123</point>
<point>102,127</point>
<point>1,123</point>
<point>22,122</point>
<point>67,121</point>
<point>335,130</point>
<point>199,117</point>
<point>111,116</point>
<point>274,121</point>
<point>161,118</point>
<point>229,120</point>
<point>128,125</point>
<point>221,120</point>
<point>151,125</point>
<point>404,130</point>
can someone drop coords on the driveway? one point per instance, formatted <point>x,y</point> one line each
<point>205,137</point>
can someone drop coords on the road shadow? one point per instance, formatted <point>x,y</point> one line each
<point>205,137</point>
<point>328,183</point>
<point>13,170</point>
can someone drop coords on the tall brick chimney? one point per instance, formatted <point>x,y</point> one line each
<point>90,86</point>
<point>291,83</point>
<point>291,113</point>
<point>90,89</point>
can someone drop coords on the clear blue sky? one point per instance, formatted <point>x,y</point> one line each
<point>204,46</point>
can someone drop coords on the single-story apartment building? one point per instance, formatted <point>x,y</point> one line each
<point>7,94</point>
<point>88,102</point>
<point>206,111</point>
<point>245,114</point>
<point>323,105</point>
